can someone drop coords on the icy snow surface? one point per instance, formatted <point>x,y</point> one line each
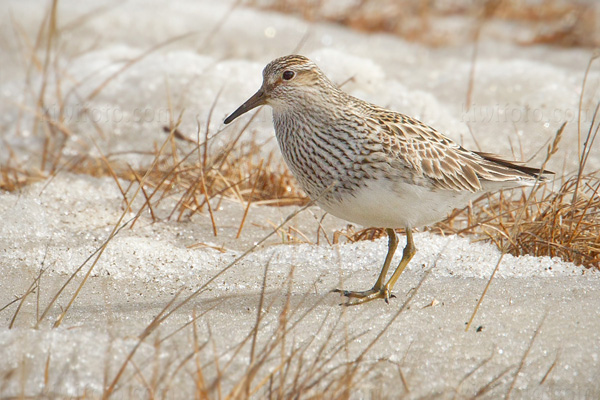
<point>536,335</point>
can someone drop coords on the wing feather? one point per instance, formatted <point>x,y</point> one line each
<point>443,162</point>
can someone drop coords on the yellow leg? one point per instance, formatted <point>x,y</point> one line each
<point>379,291</point>
<point>407,255</point>
<point>392,246</point>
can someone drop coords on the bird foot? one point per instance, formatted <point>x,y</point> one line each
<point>365,296</point>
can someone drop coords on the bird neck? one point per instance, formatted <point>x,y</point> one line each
<point>321,103</point>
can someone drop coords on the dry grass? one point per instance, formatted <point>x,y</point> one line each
<point>554,226</point>
<point>554,223</point>
<point>265,362</point>
<point>13,177</point>
<point>565,223</point>
<point>555,22</point>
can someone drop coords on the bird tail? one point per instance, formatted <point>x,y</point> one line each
<point>518,166</point>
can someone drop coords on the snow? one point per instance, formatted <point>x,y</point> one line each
<point>539,331</point>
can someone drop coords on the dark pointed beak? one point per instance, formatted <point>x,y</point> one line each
<point>258,99</point>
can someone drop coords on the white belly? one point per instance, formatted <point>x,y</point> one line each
<point>378,204</point>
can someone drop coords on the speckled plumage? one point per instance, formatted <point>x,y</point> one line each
<point>369,165</point>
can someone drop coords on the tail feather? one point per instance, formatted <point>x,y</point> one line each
<point>516,165</point>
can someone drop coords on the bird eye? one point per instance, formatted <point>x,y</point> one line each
<point>287,75</point>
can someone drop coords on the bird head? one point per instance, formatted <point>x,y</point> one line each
<point>287,82</point>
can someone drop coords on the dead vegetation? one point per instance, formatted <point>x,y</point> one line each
<point>563,223</point>
<point>553,22</point>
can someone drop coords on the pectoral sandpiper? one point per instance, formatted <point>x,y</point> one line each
<point>369,165</point>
